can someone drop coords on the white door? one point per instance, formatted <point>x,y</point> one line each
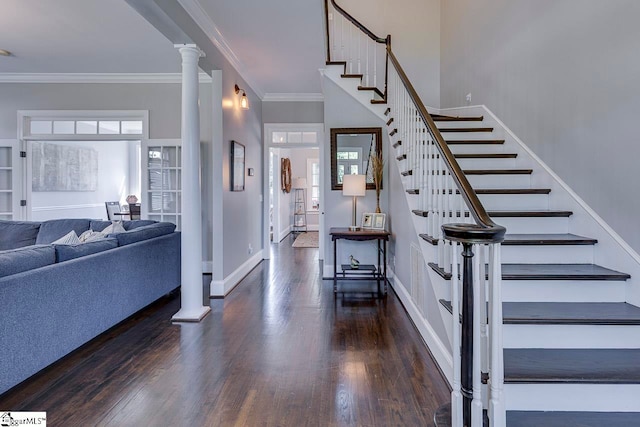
<point>10,180</point>
<point>162,180</point>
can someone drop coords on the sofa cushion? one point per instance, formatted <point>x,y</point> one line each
<point>17,234</point>
<point>128,225</point>
<point>67,252</point>
<point>114,228</point>
<point>27,258</point>
<point>145,232</point>
<point>54,229</point>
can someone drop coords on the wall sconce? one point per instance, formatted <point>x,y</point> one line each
<point>244,101</point>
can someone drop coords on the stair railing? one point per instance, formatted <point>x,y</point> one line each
<point>445,196</point>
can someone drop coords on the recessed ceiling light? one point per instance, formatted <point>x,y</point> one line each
<point>4,52</point>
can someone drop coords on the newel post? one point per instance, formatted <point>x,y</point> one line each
<point>466,408</point>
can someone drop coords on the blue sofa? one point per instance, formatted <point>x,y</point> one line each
<point>55,298</point>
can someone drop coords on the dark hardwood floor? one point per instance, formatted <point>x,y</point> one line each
<point>280,350</point>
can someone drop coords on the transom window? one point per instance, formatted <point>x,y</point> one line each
<point>84,127</point>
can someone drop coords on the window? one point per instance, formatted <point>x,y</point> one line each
<point>313,178</point>
<point>84,127</point>
<point>349,161</point>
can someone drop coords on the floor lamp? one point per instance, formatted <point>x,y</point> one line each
<point>355,186</point>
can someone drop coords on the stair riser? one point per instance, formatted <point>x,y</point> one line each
<point>579,254</point>
<point>572,397</point>
<point>487,163</point>
<point>459,124</point>
<point>515,201</point>
<point>479,148</point>
<point>563,291</point>
<point>472,135</point>
<point>570,336</point>
<point>500,181</point>
<point>534,225</point>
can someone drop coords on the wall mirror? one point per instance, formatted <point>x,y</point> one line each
<point>351,153</point>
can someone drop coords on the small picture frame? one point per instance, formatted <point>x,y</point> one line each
<point>378,221</point>
<point>367,220</point>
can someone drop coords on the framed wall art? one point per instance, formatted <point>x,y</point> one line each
<point>237,166</point>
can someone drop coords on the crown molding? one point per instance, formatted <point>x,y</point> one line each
<point>97,78</point>
<point>293,97</point>
<point>204,21</point>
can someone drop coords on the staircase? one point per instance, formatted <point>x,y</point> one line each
<point>571,341</point>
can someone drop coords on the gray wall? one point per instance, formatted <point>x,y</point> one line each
<point>292,112</point>
<point>242,216</point>
<point>563,75</point>
<point>414,26</point>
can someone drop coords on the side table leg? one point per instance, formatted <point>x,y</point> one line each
<point>384,266</point>
<point>379,272</point>
<point>335,266</point>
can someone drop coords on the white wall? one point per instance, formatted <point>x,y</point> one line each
<point>563,75</point>
<point>113,185</point>
<point>414,26</point>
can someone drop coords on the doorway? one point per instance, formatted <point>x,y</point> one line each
<point>301,145</point>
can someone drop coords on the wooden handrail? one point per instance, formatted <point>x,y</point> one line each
<point>468,193</point>
<point>354,21</point>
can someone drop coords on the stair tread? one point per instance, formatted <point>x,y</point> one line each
<point>551,272</point>
<point>476,129</point>
<point>604,366</point>
<point>547,239</point>
<point>513,191</point>
<point>352,76</point>
<point>572,419</point>
<point>441,118</point>
<point>474,141</point>
<point>512,214</point>
<point>566,313</point>
<point>485,155</point>
<point>498,171</point>
<point>540,213</point>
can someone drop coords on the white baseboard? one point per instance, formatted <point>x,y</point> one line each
<point>220,288</point>
<point>437,348</point>
<point>284,233</point>
<point>313,227</point>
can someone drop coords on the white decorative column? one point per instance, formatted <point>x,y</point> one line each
<point>192,309</point>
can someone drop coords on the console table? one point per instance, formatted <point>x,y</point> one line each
<point>379,272</point>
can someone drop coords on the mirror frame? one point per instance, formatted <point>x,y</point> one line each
<point>334,150</point>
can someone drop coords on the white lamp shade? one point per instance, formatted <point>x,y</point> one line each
<point>299,182</point>
<point>354,185</point>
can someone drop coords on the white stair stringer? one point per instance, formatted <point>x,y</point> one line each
<point>350,86</point>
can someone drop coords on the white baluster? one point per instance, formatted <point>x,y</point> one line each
<point>359,56</point>
<point>476,403</point>
<point>366,67</point>
<point>456,396</point>
<point>350,46</point>
<point>497,413</point>
<point>375,65</point>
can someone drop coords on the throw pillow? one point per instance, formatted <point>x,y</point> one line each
<point>114,228</point>
<point>91,236</point>
<point>71,238</point>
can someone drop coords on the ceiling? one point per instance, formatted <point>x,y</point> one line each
<point>278,44</point>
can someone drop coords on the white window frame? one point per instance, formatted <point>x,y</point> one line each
<point>25,117</point>
<point>310,163</point>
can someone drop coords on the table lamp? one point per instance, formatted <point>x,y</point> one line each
<point>355,186</point>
